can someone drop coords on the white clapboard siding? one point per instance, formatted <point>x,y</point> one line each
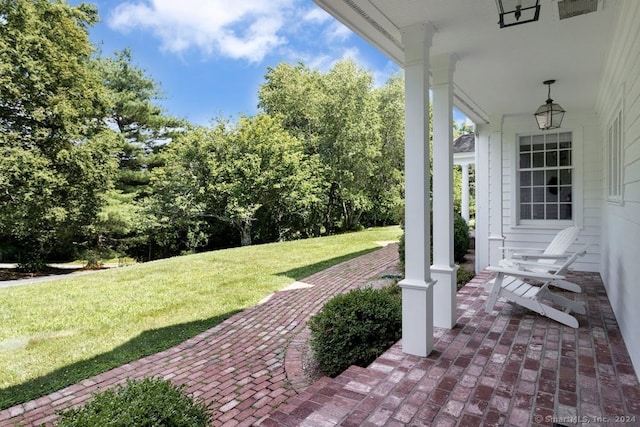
<point>620,85</point>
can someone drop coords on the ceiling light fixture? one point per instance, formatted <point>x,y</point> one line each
<point>516,12</point>
<point>549,115</point>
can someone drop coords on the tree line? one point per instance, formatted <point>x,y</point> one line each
<point>91,166</point>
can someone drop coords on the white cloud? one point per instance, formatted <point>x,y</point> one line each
<point>337,32</point>
<point>316,15</point>
<point>247,29</point>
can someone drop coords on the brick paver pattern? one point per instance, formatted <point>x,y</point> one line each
<point>239,365</point>
<point>511,367</point>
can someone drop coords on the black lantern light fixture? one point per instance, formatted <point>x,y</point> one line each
<point>516,12</point>
<point>549,115</point>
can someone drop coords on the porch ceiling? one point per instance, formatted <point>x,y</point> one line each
<point>499,71</point>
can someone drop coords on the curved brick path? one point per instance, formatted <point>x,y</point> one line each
<point>237,366</point>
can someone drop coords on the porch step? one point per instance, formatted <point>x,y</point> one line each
<point>331,401</point>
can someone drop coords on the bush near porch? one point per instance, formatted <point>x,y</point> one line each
<point>461,240</point>
<point>355,328</point>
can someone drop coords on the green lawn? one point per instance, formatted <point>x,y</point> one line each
<point>54,334</point>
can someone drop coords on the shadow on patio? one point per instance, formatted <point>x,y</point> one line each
<point>509,367</point>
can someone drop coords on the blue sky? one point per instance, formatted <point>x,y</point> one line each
<point>210,56</point>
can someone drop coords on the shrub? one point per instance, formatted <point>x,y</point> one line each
<point>148,402</point>
<point>355,328</point>
<point>463,277</point>
<point>461,238</point>
<point>401,251</point>
<point>461,241</point>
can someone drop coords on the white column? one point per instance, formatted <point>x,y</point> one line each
<point>465,192</point>
<point>482,197</point>
<point>489,185</point>
<point>443,268</point>
<point>417,287</point>
<point>496,238</point>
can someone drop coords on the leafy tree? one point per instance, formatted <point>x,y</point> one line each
<point>56,155</point>
<point>179,188</point>
<point>236,174</point>
<point>356,131</point>
<point>387,184</point>
<point>265,174</point>
<point>462,128</point>
<point>49,89</point>
<point>349,142</point>
<point>294,93</point>
<point>144,130</point>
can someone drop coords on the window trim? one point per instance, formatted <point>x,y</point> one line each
<point>615,134</point>
<point>577,142</point>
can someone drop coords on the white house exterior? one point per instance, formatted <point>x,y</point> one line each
<point>529,183</point>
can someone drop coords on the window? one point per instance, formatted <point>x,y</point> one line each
<point>614,159</point>
<point>545,174</point>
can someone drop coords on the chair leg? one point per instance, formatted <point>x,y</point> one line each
<point>566,285</point>
<point>568,304</point>
<point>560,316</point>
<point>494,293</point>
<point>535,304</point>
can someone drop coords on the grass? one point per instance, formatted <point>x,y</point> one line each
<point>57,333</point>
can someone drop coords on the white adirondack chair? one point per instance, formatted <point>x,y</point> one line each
<point>554,258</point>
<point>530,289</point>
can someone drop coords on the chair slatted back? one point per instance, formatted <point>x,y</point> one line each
<point>560,243</point>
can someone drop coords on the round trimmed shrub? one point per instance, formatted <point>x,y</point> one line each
<point>461,238</point>
<point>151,402</point>
<point>355,328</point>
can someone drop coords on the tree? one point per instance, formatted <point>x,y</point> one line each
<point>144,129</point>
<point>294,93</point>
<point>387,184</point>
<point>348,142</point>
<point>134,113</point>
<point>238,174</point>
<point>337,115</point>
<point>176,206</point>
<point>49,89</point>
<point>56,155</point>
<point>265,173</point>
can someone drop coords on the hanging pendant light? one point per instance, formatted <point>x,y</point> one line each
<point>516,12</point>
<point>549,115</point>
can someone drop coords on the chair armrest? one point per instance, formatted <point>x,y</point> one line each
<point>541,256</point>
<point>525,274</point>
<point>532,265</point>
<point>514,248</point>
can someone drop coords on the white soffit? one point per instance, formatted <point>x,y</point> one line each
<point>499,71</point>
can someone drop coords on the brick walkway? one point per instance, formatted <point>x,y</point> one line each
<point>511,367</point>
<point>237,366</point>
<point>508,368</point>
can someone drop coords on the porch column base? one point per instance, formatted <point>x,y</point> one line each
<point>444,295</point>
<point>417,317</point>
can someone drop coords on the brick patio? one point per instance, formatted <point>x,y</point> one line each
<point>509,367</point>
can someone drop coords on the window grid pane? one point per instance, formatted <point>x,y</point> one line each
<point>545,172</point>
